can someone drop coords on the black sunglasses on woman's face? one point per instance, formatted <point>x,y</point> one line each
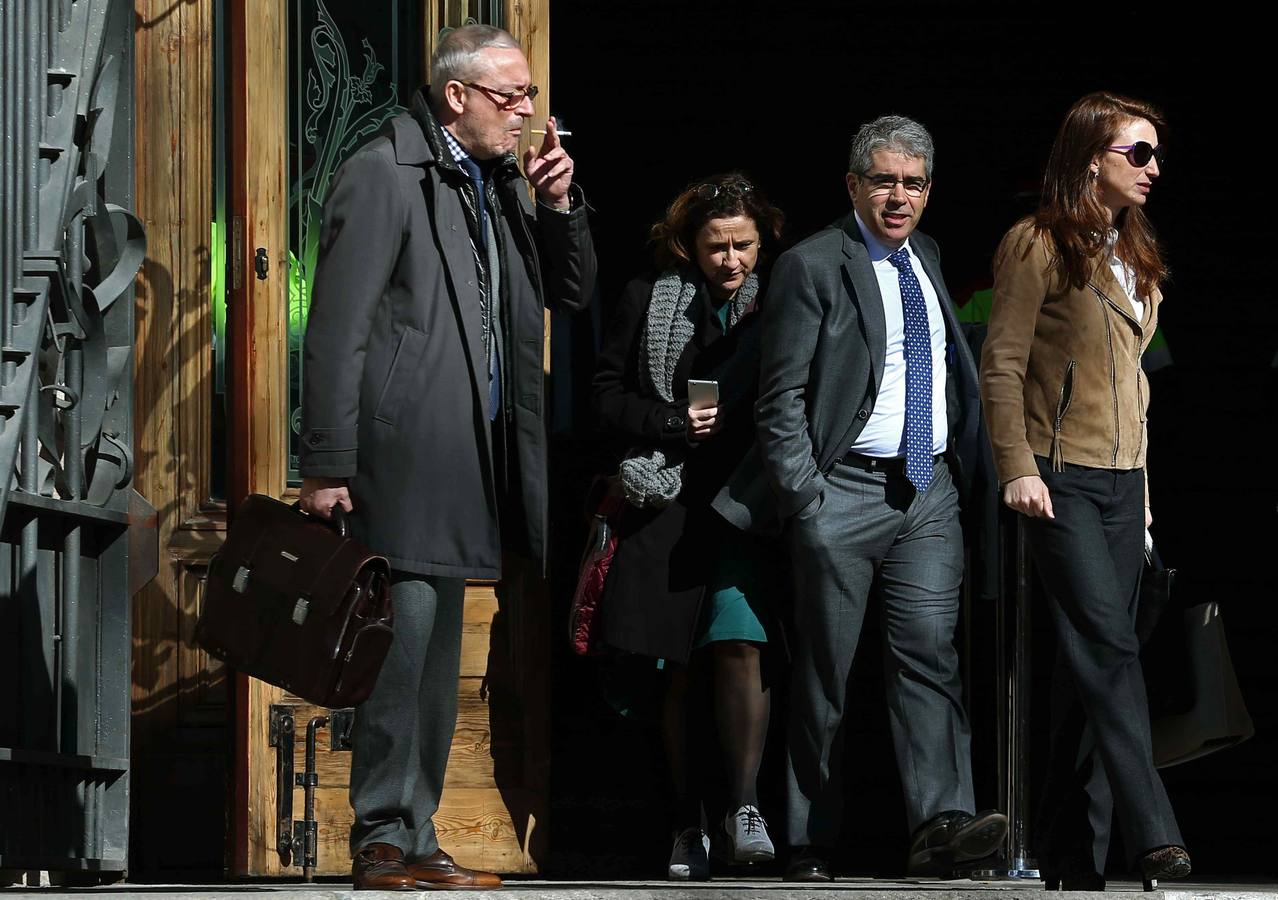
<point>1139,153</point>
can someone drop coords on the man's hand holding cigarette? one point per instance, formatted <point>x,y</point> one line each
<point>549,169</point>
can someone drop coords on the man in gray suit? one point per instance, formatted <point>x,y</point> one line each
<point>422,404</point>
<point>868,407</point>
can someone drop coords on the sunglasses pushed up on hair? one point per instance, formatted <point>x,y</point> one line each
<point>1140,153</point>
<point>735,188</point>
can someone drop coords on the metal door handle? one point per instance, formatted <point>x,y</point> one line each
<point>261,264</point>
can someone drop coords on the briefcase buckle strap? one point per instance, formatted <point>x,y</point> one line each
<point>301,609</point>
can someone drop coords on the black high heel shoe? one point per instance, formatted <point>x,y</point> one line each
<point>1163,862</point>
<point>1072,881</point>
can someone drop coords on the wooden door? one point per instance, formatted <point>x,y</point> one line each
<point>180,693</point>
<point>492,811</point>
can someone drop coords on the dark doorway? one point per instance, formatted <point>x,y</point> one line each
<point>660,93</point>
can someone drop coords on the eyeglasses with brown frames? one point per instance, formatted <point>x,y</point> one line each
<point>509,99</point>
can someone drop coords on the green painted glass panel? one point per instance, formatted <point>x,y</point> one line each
<point>219,235</point>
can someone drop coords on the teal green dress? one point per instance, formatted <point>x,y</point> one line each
<point>740,584</point>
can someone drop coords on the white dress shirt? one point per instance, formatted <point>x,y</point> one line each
<point>884,433</point>
<point>1125,276</point>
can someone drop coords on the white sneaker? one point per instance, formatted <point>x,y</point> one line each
<point>689,858</point>
<point>747,835</point>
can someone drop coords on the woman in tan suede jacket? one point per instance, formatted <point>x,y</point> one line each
<point>1075,302</point>
<point>1062,366</point>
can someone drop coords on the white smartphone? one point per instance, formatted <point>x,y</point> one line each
<point>702,394</point>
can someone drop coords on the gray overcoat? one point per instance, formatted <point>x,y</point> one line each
<point>394,356</point>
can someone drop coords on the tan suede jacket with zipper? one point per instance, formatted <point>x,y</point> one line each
<point>1060,367</point>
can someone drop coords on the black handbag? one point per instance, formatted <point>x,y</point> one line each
<point>1195,704</point>
<point>297,603</point>
<point>1160,628</point>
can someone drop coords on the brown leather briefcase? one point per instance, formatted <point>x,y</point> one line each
<point>299,604</point>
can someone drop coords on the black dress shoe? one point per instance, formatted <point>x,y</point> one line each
<point>953,837</point>
<point>809,864</point>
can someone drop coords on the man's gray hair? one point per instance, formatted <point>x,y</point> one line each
<point>457,58</point>
<point>894,133</point>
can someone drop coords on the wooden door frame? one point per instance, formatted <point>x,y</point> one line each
<point>257,330</point>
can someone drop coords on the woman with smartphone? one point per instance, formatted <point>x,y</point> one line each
<point>676,382</point>
<point>1075,303</point>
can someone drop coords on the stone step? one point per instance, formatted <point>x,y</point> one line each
<point>721,889</point>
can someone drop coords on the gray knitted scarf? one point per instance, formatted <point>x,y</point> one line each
<point>652,477</point>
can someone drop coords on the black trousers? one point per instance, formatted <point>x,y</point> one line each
<point>1101,763</point>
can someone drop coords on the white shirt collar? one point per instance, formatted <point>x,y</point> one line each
<point>877,249</point>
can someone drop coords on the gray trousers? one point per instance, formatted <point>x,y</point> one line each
<point>872,533</point>
<point>404,730</point>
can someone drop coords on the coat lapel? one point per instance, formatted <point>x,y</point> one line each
<point>1151,310</point>
<point>866,296</point>
<point>449,221</point>
<point>933,270</point>
<point>1105,284</point>
<point>418,142</point>
<point>932,267</point>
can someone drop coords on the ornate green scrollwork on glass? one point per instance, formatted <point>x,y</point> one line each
<point>333,110</point>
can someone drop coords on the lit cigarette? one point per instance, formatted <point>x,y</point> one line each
<point>558,131</point>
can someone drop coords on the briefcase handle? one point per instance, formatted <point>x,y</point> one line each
<point>338,522</point>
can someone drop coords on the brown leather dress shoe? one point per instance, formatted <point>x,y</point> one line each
<point>439,871</point>
<point>380,867</point>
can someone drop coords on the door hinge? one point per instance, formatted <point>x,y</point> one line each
<point>282,741</point>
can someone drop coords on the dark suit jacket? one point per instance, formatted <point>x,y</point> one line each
<point>824,342</point>
<point>395,396</point>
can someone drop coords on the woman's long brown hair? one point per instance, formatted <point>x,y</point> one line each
<point>1071,212</point>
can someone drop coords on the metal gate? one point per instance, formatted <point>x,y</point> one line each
<point>68,253</point>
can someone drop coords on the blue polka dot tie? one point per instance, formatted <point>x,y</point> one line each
<point>918,374</point>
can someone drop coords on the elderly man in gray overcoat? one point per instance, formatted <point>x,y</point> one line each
<point>423,412</point>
